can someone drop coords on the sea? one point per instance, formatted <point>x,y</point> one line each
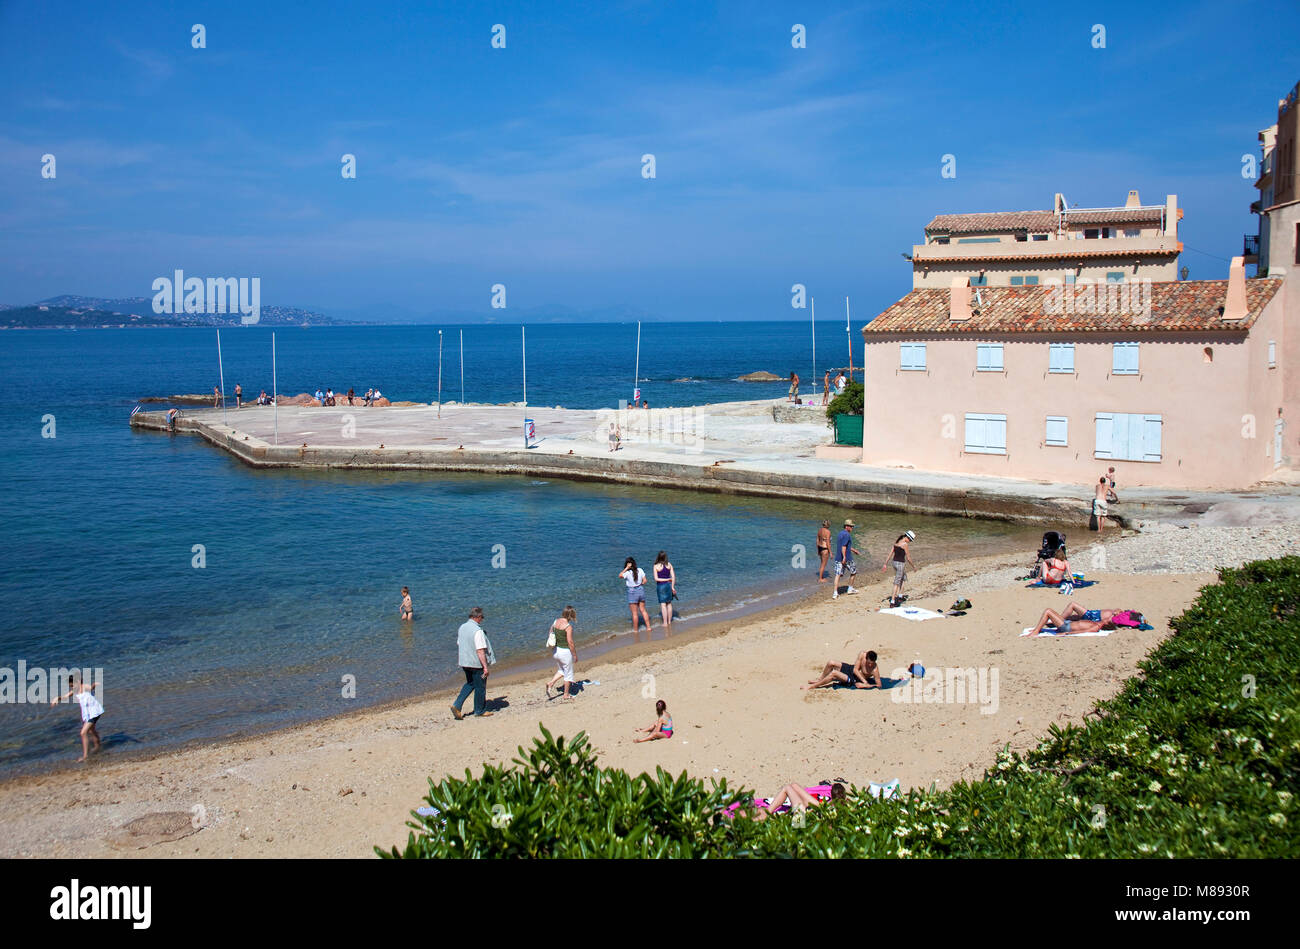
<point>220,600</point>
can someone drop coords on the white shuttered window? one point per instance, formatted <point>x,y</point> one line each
<point>1125,359</point>
<point>1128,437</point>
<point>988,357</point>
<point>911,356</point>
<point>1061,357</point>
<point>986,434</point>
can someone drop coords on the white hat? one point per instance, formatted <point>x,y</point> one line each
<point>909,535</point>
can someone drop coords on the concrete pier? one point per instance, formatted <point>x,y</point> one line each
<point>729,448</point>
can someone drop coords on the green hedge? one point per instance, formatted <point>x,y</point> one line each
<point>1191,759</point>
<point>848,402</point>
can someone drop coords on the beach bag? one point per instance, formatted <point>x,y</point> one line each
<point>550,638</point>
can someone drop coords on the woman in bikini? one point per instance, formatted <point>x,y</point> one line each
<point>665,588</point>
<point>824,544</point>
<point>662,726</point>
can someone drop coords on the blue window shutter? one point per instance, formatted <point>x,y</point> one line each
<point>995,356</point>
<point>1151,425</point>
<point>1136,438</point>
<point>1133,357</point>
<point>1031,281</point>
<point>920,353</point>
<point>974,432</point>
<point>1057,431</point>
<point>996,426</point>
<point>1105,435</point>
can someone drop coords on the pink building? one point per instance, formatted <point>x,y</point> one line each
<point>1187,384</point>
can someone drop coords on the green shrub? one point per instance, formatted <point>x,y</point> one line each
<point>1196,757</point>
<point>848,402</point>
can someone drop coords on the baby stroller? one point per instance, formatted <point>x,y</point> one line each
<point>1053,543</point>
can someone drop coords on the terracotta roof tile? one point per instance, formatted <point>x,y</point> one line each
<point>1043,250</point>
<point>1036,220</point>
<point>994,221</point>
<point>1176,306</point>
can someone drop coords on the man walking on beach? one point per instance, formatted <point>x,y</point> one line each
<point>844,565</point>
<point>472,645</point>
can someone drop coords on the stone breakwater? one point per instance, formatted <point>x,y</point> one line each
<point>732,449</point>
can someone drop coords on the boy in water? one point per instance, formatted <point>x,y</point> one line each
<point>406,610</point>
<point>91,710</point>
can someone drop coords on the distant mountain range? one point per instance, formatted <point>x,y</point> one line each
<point>70,310</point>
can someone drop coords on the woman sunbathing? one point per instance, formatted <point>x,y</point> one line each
<point>862,674</point>
<point>791,796</point>
<point>1075,619</point>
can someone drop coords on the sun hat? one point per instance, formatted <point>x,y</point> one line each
<point>909,535</point>
<point>849,523</point>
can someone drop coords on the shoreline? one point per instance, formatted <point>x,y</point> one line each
<point>733,687</point>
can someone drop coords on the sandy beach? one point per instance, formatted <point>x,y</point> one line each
<point>339,788</point>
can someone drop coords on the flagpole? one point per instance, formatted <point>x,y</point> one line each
<point>636,375</point>
<point>813,300</point>
<point>462,367</point>
<point>222,373</point>
<point>848,331</point>
<point>523,340</point>
<point>275,393</point>
<point>439,373</point>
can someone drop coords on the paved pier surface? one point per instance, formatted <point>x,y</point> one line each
<point>736,448</point>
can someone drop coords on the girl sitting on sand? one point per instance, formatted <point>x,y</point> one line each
<point>662,726</point>
<point>91,710</point>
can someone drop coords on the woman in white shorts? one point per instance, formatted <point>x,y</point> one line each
<point>565,652</point>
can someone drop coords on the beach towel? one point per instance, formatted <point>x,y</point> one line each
<point>912,612</point>
<point>1049,631</point>
<point>885,683</point>
<point>1078,584</point>
<point>883,791</point>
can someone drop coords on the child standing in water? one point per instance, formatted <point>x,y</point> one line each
<point>406,610</point>
<point>663,725</point>
<point>91,710</point>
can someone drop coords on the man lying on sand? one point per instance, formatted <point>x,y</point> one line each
<point>862,674</point>
<point>1075,619</point>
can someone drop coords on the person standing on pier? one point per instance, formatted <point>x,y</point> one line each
<point>472,648</point>
<point>826,388</point>
<point>216,397</point>
<point>239,396</point>
<point>794,387</point>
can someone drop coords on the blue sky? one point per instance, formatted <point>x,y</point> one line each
<point>522,165</point>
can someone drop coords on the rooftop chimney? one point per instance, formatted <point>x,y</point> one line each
<point>1058,203</point>
<point>1171,216</point>
<point>1234,305</point>
<point>959,300</point>
<point>1133,200</point>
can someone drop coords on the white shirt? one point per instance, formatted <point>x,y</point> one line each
<point>631,581</point>
<point>90,706</point>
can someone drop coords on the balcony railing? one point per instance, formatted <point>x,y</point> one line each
<point>1250,245</point>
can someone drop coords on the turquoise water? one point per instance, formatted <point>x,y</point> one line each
<point>303,570</point>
